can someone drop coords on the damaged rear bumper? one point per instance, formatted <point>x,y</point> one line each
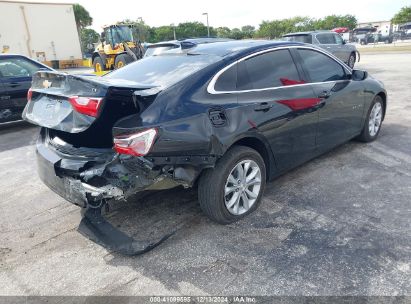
<point>92,178</point>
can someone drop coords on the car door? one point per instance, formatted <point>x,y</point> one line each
<point>16,74</point>
<point>340,117</point>
<point>276,100</point>
<point>5,112</point>
<point>327,42</point>
<point>342,52</point>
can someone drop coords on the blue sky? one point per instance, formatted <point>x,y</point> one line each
<point>233,13</point>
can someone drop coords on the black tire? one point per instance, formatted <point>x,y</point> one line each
<point>98,61</point>
<point>365,135</point>
<point>351,60</point>
<point>213,181</point>
<point>122,60</point>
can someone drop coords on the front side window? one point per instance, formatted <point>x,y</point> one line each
<point>338,39</point>
<point>327,38</point>
<point>17,67</point>
<point>268,70</point>
<point>320,67</point>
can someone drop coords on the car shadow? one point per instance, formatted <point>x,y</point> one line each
<point>301,233</point>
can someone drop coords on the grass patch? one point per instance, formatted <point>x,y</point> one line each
<point>385,48</point>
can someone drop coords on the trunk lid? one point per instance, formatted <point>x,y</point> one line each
<point>52,100</point>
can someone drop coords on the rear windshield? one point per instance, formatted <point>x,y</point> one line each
<point>299,38</point>
<point>163,70</point>
<point>152,51</point>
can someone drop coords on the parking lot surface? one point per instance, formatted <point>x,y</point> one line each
<point>338,225</point>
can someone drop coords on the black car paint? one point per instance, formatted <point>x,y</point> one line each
<point>13,91</point>
<point>196,128</point>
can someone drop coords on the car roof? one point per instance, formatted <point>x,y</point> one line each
<point>239,47</point>
<point>308,33</point>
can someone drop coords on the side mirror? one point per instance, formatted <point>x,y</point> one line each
<point>102,37</point>
<point>358,75</point>
<point>344,42</point>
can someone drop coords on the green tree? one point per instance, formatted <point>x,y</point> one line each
<point>83,19</point>
<point>333,21</point>
<point>192,29</point>
<point>248,31</point>
<point>236,33</point>
<point>141,31</point>
<point>162,33</point>
<point>82,16</point>
<point>223,32</point>
<point>88,38</point>
<point>403,16</point>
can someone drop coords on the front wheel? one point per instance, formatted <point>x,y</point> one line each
<point>373,121</point>
<point>122,60</point>
<point>233,189</point>
<point>98,64</point>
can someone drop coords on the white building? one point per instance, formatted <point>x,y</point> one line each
<point>43,31</point>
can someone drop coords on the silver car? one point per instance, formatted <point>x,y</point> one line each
<point>329,41</point>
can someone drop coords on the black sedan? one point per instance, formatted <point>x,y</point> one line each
<point>226,116</point>
<point>15,80</point>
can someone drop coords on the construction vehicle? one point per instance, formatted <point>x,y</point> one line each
<point>117,48</point>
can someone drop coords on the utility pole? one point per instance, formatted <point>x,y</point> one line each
<point>208,26</point>
<point>174,31</point>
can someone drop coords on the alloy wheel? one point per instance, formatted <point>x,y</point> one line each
<point>374,121</point>
<point>242,187</point>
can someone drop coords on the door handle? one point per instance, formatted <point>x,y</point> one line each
<point>14,84</point>
<point>5,97</point>
<point>264,107</point>
<point>324,94</point>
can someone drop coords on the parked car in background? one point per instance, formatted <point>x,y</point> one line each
<point>15,80</point>
<point>329,41</point>
<point>364,35</point>
<point>160,47</point>
<point>230,115</point>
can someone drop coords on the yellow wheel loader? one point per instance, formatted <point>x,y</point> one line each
<point>117,48</point>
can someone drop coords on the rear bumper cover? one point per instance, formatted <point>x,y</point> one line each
<point>86,180</point>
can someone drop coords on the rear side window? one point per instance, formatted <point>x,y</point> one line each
<point>326,38</point>
<point>338,39</point>
<point>320,67</point>
<point>273,69</point>
<point>299,38</point>
<point>227,80</point>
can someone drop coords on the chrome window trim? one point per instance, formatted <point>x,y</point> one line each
<point>211,85</point>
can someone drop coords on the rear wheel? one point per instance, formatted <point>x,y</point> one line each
<point>122,60</point>
<point>233,189</point>
<point>98,64</point>
<point>373,121</point>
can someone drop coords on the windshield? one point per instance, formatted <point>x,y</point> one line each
<point>163,70</point>
<point>299,38</point>
<point>118,34</point>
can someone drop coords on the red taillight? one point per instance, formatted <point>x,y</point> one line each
<point>85,105</point>
<point>138,144</point>
<point>29,95</point>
